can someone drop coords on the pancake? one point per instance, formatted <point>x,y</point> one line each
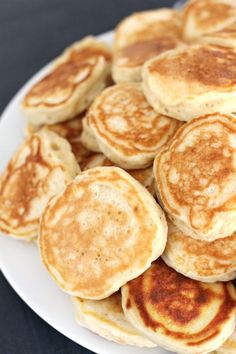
<point>189,82</point>
<point>201,260</point>
<point>71,84</point>
<point>40,169</point>
<point>140,37</point>
<point>178,313</point>
<point>229,347</point>
<point>88,139</point>
<point>128,131</point>
<point>102,231</point>
<point>107,319</point>
<point>226,37</point>
<point>196,177</point>
<point>144,176</point>
<point>206,16</point>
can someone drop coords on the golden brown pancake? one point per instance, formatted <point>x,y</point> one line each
<point>196,177</point>
<point>106,318</point>
<point>206,16</point>
<point>141,37</point>
<point>178,313</point>
<point>128,131</point>
<point>193,81</point>
<point>102,231</point>
<point>40,169</point>
<point>201,260</point>
<point>75,78</point>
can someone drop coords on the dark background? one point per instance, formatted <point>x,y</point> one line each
<point>32,32</point>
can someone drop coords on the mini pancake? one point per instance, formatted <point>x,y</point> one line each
<point>128,131</point>
<point>70,130</point>
<point>206,16</point>
<point>102,231</point>
<point>107,319</point>
<point>178,313</point>
<point>73,81</point>
<point>88,139</point>
<point>201,260</point>
<point>140,37</point>
<point>229,347</point>
<point>226,37</point>
<point>196,177</point>
<point>189,82</point>
<point>40,169</point>
<point>144,176</point>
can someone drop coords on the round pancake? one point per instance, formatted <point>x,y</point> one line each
<point>140,37</point>
<point>107,319</point>
<point>178,313</point>
<point>128,131</point>
<point>189,82</point>
<point>40,169</point>
<point>144,176</point>
<point>102,231</point>
<point>196,177</point>
<point>201,260</point>
<point>229,347</point>
<point>73,81</point>
<point>226,37</point>
<point>87,138</point>
<point>206,16</point>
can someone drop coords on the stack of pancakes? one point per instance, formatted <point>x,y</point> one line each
<point>130,186</point>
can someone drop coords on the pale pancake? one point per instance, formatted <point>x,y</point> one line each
<point>178,313</point>
<point>40,169</point>
<point>144,176</point>
<point>107,319</point>
<point>229,347</point>
<point>73,81</point>
<point>140,37</point>
<point>206,16</point>
<point>87,138</point>
<point>102,231</point>
<point>189,82</point>
<point>128,131</point>
<point>225,37</point>
<point>201,260</point>
<point>196,177</point>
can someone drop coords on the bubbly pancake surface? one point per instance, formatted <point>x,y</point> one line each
<point>128,131</point>
<point>196,177</point>
<point>41,168</point>
<point>179,313</point>
<point>201,260</point>
<point>106,318</point>
<point>189,82</point>
<point>206,16</point>
<point>104,230</point>
<point>76,76</point>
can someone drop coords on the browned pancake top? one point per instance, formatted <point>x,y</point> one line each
<point>24,181</point>
<point>162,293</point>
<point>211,66</point>
<point>138,53</point>
<point>198,169</point>
<point>208,13</point>
<point>59,85</point>
<point>93,240</point>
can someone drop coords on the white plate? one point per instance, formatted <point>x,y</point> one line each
<point>20,262</point>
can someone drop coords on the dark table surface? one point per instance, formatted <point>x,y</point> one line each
<point>32,32</point>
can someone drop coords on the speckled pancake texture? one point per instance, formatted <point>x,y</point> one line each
<point>102,231</point>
